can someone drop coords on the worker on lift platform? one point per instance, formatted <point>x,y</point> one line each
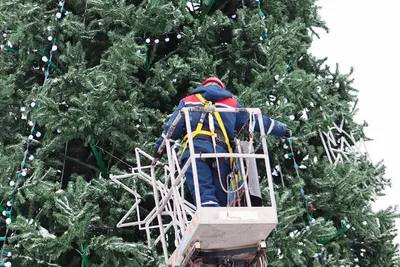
<point>212,90</point>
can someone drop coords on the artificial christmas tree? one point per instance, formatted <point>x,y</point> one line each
<point>83,83</point>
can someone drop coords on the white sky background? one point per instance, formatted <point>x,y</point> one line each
<point>366,35</point>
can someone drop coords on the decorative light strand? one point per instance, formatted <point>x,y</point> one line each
<point>264,35</point>
<point>34,133</point>
<point>308,205</point>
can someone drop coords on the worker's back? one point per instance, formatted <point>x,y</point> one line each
<point>221,98</point>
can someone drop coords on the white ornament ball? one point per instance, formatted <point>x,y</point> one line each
<point>2,47</point>
<point>49,28</point>
<point>59,131</point>
<point>23,117</point>
<point>38,134</point>
<point>138,52</point>
<point>276,77</point>
<point>8,221</point>
<point>9,204</point>
<point>291,117</point>
<point>4,35</point>
<point>12,183</point>
<point>61,3</point>
<point>4,213</point>
<point>54,48</point>
<point>30,123</point>
<point>148,40</point>
<point>137,125</point>
<point>261,38</point>
<point>364,223</point>
<point>234,16</point>
<point>44,59</point>
<point>31,157</point>
<point>23,173</point>
<point>167,39</point>
<point>156,41</point>
<point>179,36</point>
<point>50,38</point>
<point>285,146</point>
<point>337,85</point>
<point>174,80</point>
<point>7,264</point>
<point>33,104</point>
<point>30,137</point>
<point>58,15</point>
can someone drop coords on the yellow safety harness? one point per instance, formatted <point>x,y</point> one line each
<point>199,127</point>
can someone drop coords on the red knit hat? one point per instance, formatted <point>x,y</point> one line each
<point>213,80</point>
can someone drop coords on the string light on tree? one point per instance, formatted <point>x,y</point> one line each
<point>34,132</point>
<point>290,117</point>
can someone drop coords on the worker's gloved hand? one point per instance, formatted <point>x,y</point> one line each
<point>157,155</point>
<point>288,133</point>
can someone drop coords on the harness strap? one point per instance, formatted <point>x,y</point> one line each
<point>206,132</point>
